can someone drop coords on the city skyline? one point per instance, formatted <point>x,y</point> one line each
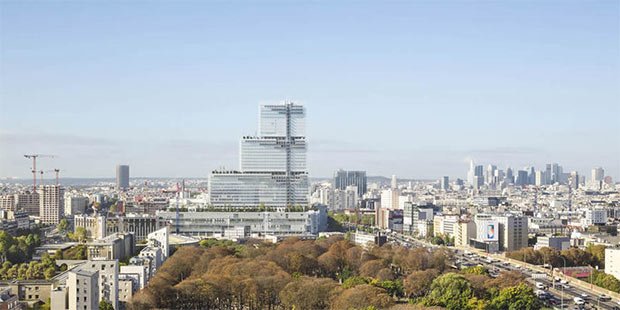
<point>438,86</point>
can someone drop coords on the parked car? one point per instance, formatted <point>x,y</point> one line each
<point>604,297</point>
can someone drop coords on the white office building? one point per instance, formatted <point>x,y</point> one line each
<point>594,216</point>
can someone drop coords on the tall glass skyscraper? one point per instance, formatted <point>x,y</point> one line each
<point>272,164</point>
<point>343,178</point>
<point>122,177</point>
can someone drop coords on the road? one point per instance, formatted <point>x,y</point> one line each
<point>497,264</point>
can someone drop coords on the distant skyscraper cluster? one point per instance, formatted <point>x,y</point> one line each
<point>343,179</point>
<point>272,164</point>
<point>552,174</point>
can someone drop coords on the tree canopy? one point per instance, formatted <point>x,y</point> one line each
<point>327,273</point>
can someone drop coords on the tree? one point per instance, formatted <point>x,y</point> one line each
<point>606,281</point>
<point>450,290</point>
<point>418,283</point>
<point>355,281</point>
<point>104,305</point>
<point>504,280</point>
<point>479,270</point>
<point>63,226</point>
<point>520,297</point>
<point>393,288</point>
<point>309,293</point>
<point>362,297</point>
<point>79,235</point>
<point>598,254</point>
<point>577,257</point>
<point>372,267</point>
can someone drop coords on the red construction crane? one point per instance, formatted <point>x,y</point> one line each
<point>34,168</point>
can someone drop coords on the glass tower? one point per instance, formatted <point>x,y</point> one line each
<point>272,164</point>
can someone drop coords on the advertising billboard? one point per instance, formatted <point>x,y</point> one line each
<point>488,230</point>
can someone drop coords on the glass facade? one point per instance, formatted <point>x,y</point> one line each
<point>244,189</point>
<point>275,118</point>
<point>270,154</point>
<point>272,165</point>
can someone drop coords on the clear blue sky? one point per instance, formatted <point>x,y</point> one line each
<point>407,88</point>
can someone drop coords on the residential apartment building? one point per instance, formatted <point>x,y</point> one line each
<point>51,203</point>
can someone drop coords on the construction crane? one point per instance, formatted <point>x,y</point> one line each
<point>34,168</point>
<point>55,171</point>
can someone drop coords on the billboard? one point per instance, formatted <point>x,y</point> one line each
<point>488,230</point>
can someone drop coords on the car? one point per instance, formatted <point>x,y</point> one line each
<point>540,286</point>
<point>564,282</point>
<point>579,301</point>
<point>584,296</point>
<point>604,297</point>
<point>557,279</point>
<point>566,286</point>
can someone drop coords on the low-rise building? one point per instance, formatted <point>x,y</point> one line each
<point>366,239</point>
<point>8,300</point>
<point>215,223</point>
<point>30,291</point>
<point>556,242</point>
<point>117,246</point>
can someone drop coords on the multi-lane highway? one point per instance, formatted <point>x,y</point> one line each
<point>559,295</point>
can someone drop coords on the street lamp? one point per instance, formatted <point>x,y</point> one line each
<point>592,274</point>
